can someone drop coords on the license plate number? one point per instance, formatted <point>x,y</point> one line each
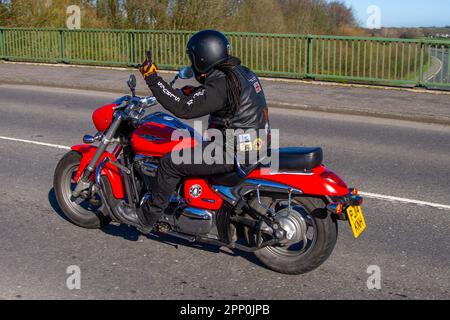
<point>356,218</point>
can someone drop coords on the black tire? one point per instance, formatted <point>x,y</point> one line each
<point>326,236</point>
<point>83,214</point>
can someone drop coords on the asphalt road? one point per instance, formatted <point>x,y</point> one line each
<point>410,243</point>
<point>394,103</point>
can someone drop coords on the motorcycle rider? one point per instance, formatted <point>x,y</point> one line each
<point>230,93</point>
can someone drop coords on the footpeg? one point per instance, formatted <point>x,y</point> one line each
<point>144,230</point>
<point>166,229</point>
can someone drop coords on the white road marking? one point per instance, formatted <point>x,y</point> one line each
<point>36,143</point>
<point>365,194</point>
<point>412,201</point>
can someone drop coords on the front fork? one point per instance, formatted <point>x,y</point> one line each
<point>84,183</point>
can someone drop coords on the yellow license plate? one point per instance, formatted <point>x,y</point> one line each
<point>356,218</point>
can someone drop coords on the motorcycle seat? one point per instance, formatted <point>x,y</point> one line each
<point>300,159</point>
<point>290,159</point>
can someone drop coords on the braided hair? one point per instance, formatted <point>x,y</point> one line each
<point>233,84</point>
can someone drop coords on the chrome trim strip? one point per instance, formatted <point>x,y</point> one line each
<point>197,214</point>
<point>291,173</point>
<point>275,185</point>
<point>225,192</point>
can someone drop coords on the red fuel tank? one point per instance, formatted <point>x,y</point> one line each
<point>154,136</point>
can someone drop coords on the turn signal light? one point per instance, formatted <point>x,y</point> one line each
<point>336,208</point>
<point>354,191</point>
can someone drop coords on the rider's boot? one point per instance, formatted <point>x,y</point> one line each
<point>136,218</point>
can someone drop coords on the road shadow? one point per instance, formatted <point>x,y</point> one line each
<point>122,231</point>
<point>54,203</point>
<point>131,234</point>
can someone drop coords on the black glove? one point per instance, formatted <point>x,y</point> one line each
<point>148,68</point>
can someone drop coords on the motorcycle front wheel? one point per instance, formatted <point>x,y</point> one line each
<point>84,213</point>
<point>311,237</point>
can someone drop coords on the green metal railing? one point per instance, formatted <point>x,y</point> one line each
<point>337,58</point>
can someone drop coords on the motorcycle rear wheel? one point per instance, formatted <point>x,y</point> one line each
<point>79,211</point>
<point>313,250</point>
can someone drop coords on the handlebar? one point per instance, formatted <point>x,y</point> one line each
<point>129,101</point>
<point>148,101</point>
<point>134,107</point>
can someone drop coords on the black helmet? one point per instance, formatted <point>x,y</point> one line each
<point>207,49</point>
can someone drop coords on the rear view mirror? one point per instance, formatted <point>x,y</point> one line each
<point>186,73</point>
<point>132,82</point>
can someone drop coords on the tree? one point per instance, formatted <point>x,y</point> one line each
<point>340,15</point>
<point>4,12</point>
<point>272,16</point>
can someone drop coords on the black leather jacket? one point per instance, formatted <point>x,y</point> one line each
<point>252,113</point>
<point>211,99</point>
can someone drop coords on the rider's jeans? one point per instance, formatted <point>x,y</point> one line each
<point>169,176</point>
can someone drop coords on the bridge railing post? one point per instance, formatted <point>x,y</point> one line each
<point>421,63</point>
<point>132,39</point>
<point>309,59</point>
<point>62,49</point>
<point>2,45</point>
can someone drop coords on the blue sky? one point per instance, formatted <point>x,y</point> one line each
<point>405,13</point>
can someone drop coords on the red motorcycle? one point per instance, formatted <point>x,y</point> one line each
<point>288,219</point>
